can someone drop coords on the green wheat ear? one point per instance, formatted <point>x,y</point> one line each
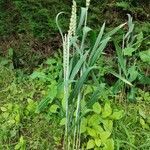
<point>73,20</point>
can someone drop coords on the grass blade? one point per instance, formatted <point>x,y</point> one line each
<point>98,52</point>
<point>59,28</point>
<point>78,66</point>
<point>82,17</point>
<point>79,84</point>
<point>121,78</point>
<point>109,34</point>
<point>43,104</point>
<point>97,41</point>
<point>85,32</point>
<point>121,60</point>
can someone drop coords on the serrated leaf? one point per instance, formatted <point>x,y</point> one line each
<point>21,144</point>
<point>143,123</point>
<point>50,61</point>
<point>17,118</point>
<point>88,89</point>
<point>145,56</point>
<point>108,125</point>
<point>104,136</point>
<point>17,146</point>
<point>52,90</point>
<point>117,115</point>
<point>94,120</point>
<point>21,140</point>
<point>37,74</point>
<point>142,113</point>
<point>10,52</point>
<point>98,129</point>
<point>90,144</point>
<point>132,71</point>
<point>97,108</point>
<point>139,40</point>
<point>109,144</point>
<point>98,142</point>
<point>60,91</point>
<point>128,51</point>
<point>92,132</point>
<point>123,5</point>
<point>83,125</point>
<point>53,108</point>
<point>63,121</point>
<point>107,111</point>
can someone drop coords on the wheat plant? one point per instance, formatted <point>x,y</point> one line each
<point>79,60</point>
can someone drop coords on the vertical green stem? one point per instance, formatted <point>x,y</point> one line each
<point>66,87</point>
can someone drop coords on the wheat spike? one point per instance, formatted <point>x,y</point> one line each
<point>72,26</point>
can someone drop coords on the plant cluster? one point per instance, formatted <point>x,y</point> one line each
<point>94,94</point>
<point>81,62</point>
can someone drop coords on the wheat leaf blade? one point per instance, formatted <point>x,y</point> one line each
<point>109,34</point>
<point>78,66</point>
<point>98,52</point>
<point>82,17</point>
<point>98,40</point>
<point>79,84</point>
